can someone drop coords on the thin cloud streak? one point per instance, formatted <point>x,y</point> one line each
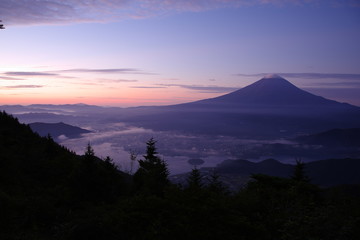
<point>11,78</point>
<point>24,12</point>
<point>145,87</point>
<point>30,74</point>
<point>59,73</point>
<point>23,86</point>
<point>86,83</point>
<point>117,80</point>
<point>339,76</point>
<point>107,70</point>
<point>124,80</point>
<point>203,89</point>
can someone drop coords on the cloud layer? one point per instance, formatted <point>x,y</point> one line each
<point>25,12</point>
<point>10,78</point>
<point>203,89</point>
<point>338,76</point>
<point>23,86</point>
<point>59,73</point>
<point>104,70</point>
<point>30,74</point>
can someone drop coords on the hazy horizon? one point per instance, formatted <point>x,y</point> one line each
<point>331,95</point>
<point>141,53</point>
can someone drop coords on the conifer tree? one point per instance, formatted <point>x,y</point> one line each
<point>194,179</point>
<point>215,185</point>
<point>152,175</point>
<point>299,172</point>
<point>109,163</point>
<point>89,152</point>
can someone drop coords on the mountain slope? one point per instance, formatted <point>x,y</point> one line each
<point>271,107</point>
<point>42,184</point>
<point>27,158</point>
<point>272,90</point>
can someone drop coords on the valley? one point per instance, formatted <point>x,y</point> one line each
<point>263,120</point>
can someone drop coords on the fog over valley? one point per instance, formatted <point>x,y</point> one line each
<point>260,121</point>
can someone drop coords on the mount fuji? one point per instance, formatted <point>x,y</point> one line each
<point>272,91</point>
<point>270,107</point>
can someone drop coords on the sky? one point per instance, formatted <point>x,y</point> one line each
<point>160,52</point>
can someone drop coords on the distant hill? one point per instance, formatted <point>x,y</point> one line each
<point>57,129</point>
<point>330,172</point>
<point>244,167</point>
<point>333,138</point>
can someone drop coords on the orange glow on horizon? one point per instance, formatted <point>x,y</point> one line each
<point>129,98</point>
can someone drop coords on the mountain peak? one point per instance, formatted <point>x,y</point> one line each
<point>272,83</point>
<point>272,75</point>
<point>271,90</point>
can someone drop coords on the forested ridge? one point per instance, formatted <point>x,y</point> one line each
<point>49,192</point>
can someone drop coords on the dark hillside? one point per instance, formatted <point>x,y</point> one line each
<point>325,173</point>
<point>28,159</point>
<point>243,167</point>
<point>42,183</point>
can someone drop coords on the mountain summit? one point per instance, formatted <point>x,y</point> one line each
<point>271,90</point>
<point>270,107</point>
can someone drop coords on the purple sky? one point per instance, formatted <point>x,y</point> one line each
<point>156,52</point>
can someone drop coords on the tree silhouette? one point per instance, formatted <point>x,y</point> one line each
<point>299,172</point>
<point>194,179</point>
<point>215,185</point>
<point>89,152</point>
<point>152,175</point>
<point>109,163</point>
<point>1,25</point>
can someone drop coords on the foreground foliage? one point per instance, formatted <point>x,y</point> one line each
<point>48,192</point>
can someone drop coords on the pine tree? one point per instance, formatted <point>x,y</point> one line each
<point>299,172</point>
<point>109,163</point>
<point>152,175</point>
<point>194,180</point>
<point>89,153</point>
<point>215,185</point>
